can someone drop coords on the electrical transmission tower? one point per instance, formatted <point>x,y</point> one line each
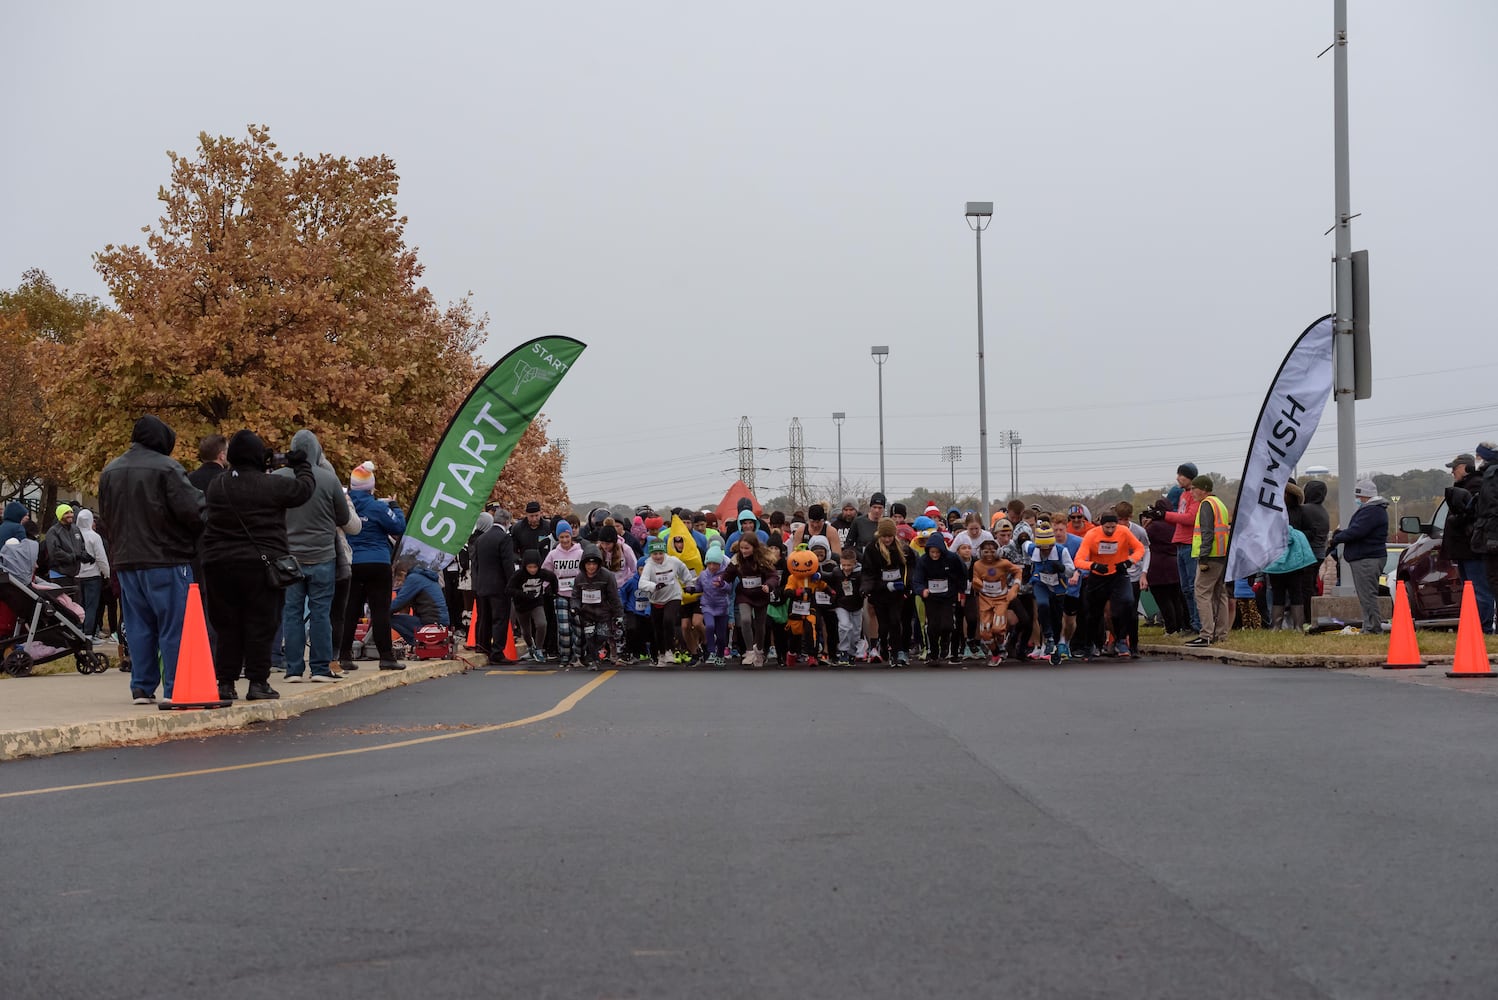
<point>746,453</point>
<point>798,465</point>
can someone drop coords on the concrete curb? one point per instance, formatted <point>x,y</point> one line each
<point>1302,661</point>
<point>155,725</point>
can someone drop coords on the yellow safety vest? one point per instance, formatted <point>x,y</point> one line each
<point>1219,530</point>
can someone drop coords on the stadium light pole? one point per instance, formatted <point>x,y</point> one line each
<point>838,416</point>
<point>952,454</point>
<point>880,354</point>
<point>978,215</point>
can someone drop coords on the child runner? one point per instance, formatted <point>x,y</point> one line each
<point>754,569</point>
<point>636,616</point>
<point>1052,572</point>
<point>597,606</point>
<point>714,590</point>
<point>565,560</point>
<point>886,575</point>
<point>849,606</point>
<point>941,581</point>
<point>530,591</point>
<point>662,577</point>
<point>995,584</point>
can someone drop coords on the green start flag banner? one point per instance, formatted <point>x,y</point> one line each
<point>473,452</point>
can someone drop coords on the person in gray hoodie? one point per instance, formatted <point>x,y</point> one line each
<point>311,533</point>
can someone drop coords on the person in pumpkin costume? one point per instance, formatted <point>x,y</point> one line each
<point>803,581</point>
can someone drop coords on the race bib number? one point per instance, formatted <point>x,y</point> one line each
<point>1050,579</point>
<point>1107,548</point>
<point>753,582</point>
<point>592,597</point>
<point>800,607</point>
<point>891,576</point>
<point>993,588</point>
<point>822,597</point>
<point>564,587</point>
<point>937,586</point>
<point>847,588</point>
<point>642,603</point>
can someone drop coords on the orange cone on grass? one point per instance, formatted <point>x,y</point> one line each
<point>1404,650</point>
<point>1471,647</point>
<point>195,685</point>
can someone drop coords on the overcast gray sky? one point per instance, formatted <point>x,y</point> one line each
<point>731,205</point>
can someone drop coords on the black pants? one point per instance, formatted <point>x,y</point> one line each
<point>665,623</point>
<point>940,628</point>
<point>245,611</point>
<point>497,608</point>
<point>1099,590</point>
<point>453,595</point>
<point>1287,589</point>
<point>369,584</point>
<point>336,611</point>
<point>888,613</point>
<point>1172,605</point>
<point>1023,607</point>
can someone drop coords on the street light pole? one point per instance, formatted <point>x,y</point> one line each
<point>1342,327</point>
<point>979,214</point>
<point>952,454</point>
<point>880,354</point>
<point>838,417</point>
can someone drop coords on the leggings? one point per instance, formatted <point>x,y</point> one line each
<point>939,628</point>
<point>533,627</point>
<point>716,627</point>
<point>891,635</point>
<point>1050,608</point>
<point>665,622</point>
<point>752,625</point>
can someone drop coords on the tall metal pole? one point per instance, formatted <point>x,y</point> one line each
<point>982,384</point>
<point>881,355</point>
<point>1347,434</point>
<point>838,418</point>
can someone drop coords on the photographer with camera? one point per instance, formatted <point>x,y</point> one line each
<point>243,537</point>
<point>381,525</point>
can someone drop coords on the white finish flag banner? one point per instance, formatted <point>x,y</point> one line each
<point>1300,391</point>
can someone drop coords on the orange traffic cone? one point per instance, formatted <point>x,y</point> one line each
<point>1404,651</point>
<point>473,628</point>
<point>510,651</point>
<point>1471,648</point>
<point>195,685</point>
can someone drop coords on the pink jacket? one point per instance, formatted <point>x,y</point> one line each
<point>1183,517</point>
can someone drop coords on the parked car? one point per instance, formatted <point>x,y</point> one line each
<point>1431,581</point>
<point>1391,567</point>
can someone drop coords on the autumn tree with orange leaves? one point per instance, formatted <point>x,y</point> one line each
<point>273,294</point>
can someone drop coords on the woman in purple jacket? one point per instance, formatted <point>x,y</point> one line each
<point>1164,576</point>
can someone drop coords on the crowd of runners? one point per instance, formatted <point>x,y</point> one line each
<point>876,585</point>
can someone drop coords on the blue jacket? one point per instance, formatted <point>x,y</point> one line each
<point>627,591</point>
<point>1366,535</point>
<point>424,594</point>
<point>379,525</point>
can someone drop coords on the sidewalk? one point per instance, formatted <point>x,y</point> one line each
<point>61,712</point>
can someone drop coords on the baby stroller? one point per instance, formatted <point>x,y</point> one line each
<point>48,627</point>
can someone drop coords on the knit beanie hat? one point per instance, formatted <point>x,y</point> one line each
<point>886,528</point>
<point>637,528</point>
<point>608,533</point>
<point>877,498</point>
<point>531,557</point>
<point>714,555</point>
<point>816,512</point>
<point>362,478</point>
<point>1202,482</point>
<point>1488,451</point>
<point>656,545</point>
<point>1365,488</point>
<point>562,528</point>
<point>1187,469</point>
<point>1044,535</point>
<point>62,509</point>
<point>897,508</point>
<point>653,523</point>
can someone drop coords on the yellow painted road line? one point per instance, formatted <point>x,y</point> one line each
<point>562,707</point>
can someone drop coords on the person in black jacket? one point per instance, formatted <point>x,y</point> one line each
<point>493,562</point>
<point>941,580</point>
<point>155,517</point>
<point>1364,542</point>
<point>246,525</point>
<point>886,578</point>
<point>1456,536</point>
<point>1484,534</point>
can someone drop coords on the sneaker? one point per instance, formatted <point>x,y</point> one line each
<point>1121,648</point>
<point>874,657</point>
<point>344,666</point>
<point>790,659</point>
<point>226,692</point>
<point>262,692</point>
<point>392,665</point>
<point>320,679</point>
<point>994,661</point>
<point>141,698</point>
<point>294,678</point>
<point>902,659</point>
<point>665,660</point>
<point>1063,651</point>
<point>1038,653</point>
<point>1055,657</point>
<point>811,661</point>
<point>1199,641</point>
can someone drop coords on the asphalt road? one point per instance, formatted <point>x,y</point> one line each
<point>1148,830</point>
